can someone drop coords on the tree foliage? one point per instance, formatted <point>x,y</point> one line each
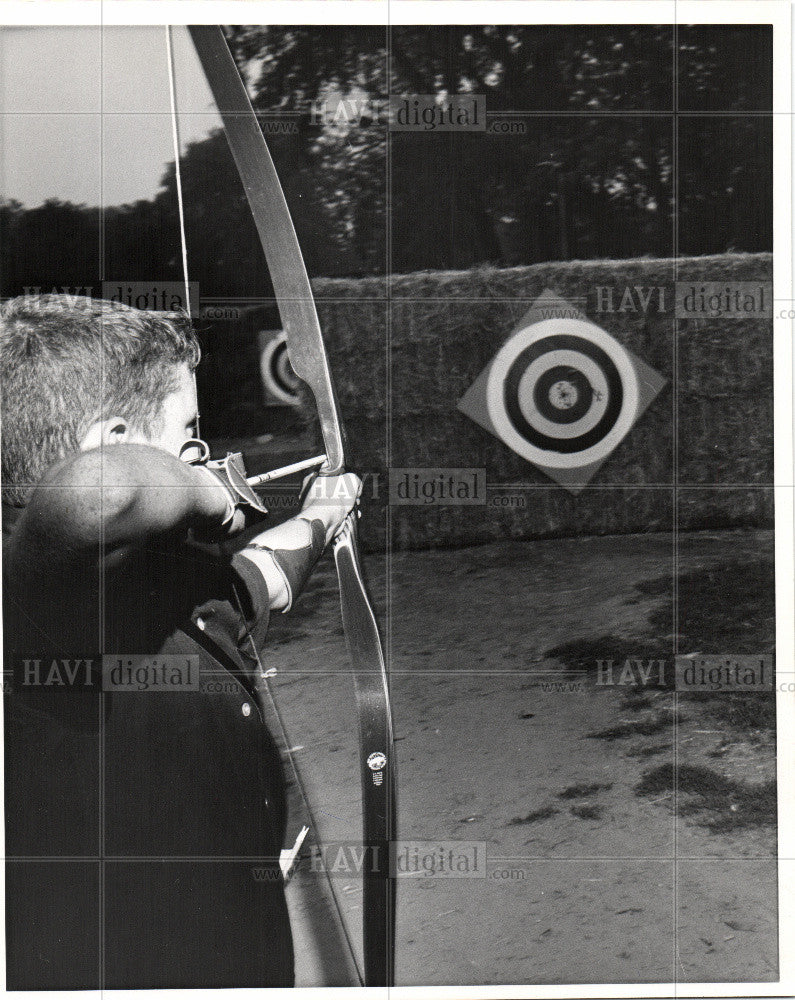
<point>593,162</point>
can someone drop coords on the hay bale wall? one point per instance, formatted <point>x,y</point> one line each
<point>401,361</point>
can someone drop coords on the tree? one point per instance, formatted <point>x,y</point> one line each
<point>575,183</point>
<point>591,173</point>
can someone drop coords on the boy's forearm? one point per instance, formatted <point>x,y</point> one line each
<point>286,555</point>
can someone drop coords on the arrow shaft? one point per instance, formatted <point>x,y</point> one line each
<point>286,470</point>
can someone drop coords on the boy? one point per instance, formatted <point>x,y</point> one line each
<point>134,814</point>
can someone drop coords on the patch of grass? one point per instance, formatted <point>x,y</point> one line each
<point>728,607</point>
<point>659,586</point>
<point>743,710</point>
<point>583,791</point>
<point>586,812</point>
<point>725,608</point>
<point>651,751</point>
<point>635,701</point>
<point>724,803</point>
<point>643,727</point>
<point>534,817</point>
<point>582,654</point>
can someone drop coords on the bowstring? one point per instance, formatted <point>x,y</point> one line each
<point>265,690</point>
<point>172,94</point>
<point>263,687</point>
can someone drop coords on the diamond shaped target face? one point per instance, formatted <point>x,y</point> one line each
<point>561,392</point>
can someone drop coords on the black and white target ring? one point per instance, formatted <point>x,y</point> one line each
<point>277,373</point>
<point>562,393</point>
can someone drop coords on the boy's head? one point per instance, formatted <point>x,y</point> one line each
<point>77,373</point>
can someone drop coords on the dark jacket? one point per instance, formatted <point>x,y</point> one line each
<point>135,819</point>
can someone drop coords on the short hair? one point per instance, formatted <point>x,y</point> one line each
<point>68,361</point>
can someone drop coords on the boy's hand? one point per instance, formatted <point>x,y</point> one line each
<point>331,499</point>
<point>219,506</point>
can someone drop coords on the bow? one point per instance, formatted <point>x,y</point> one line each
<point>308,357</point>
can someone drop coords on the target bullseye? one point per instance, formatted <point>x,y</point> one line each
<point>563,394</point>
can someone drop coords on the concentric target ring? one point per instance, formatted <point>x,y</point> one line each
<point>278,376</point>
<point>537,351</point>
<point>562,393</point>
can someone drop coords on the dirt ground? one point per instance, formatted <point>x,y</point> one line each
<point>628,832</point>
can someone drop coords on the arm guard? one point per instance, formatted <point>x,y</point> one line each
<point>296,564</point>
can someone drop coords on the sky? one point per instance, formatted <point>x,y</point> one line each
<point>85,114</point>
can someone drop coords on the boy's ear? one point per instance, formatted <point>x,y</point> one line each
<point>114,430</point>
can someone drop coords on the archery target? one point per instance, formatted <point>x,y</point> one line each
<point>562,393</point>
<point>278,378</point>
